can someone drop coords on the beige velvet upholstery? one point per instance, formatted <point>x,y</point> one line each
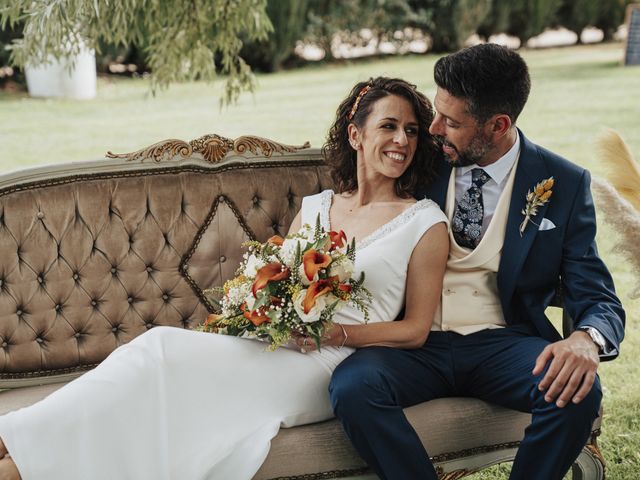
<point>95,254</point>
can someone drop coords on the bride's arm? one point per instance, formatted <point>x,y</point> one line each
<point>424,287</point>
<point>296,224</point>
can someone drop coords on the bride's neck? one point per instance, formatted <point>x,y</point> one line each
<point>368,192</point>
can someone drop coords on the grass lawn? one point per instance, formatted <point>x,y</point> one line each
<point>576,92</point>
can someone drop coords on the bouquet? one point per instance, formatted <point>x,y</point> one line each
<point>287,286</point>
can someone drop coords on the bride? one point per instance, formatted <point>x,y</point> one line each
<point>178,404</point>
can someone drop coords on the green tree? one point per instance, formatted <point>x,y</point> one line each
<point>575,15</point>
<point>329,18</point>
<point>453,21</point>
<point>611,15</point>
<point>528,18</point>
<point>181,39</point>
<point>289,19</point>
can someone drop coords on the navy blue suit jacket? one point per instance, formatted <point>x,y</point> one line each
<point>533,264</point>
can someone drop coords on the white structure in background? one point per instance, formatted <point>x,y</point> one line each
<point>73,77</point>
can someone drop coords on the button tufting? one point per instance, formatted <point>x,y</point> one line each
<point>39,340</point>
<point>40,279</point>
<point>94,303</point>
<point>76,276</point>
<point>275,226</point>
<point>19,312</point>
<point>130,299</point>
<point>165,297</point>
<point>58,307</point>
<point>114,329</point>
<point>290,196</point>
<point>149,269</point>
<point>5,344</point>
<point>77,335</point>
<point>149,325</point>
<point>255,200</point>
<point>114,270</point>
<point>1,283</point>
<point>223,259</point>
<point>40,215</point>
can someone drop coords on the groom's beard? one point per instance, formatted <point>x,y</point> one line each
<point>478,148</point>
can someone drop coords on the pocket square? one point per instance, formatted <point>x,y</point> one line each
<point>546,224</point>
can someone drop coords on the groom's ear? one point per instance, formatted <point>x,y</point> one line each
<point>499,125</point>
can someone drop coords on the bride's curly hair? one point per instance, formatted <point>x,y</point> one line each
<point>341,157</point>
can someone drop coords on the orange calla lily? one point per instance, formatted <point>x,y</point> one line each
<point>272,272</point>
<point>314,261</point>
<point>213,319</point>
<point>257,317</point>
<point>315,290</point>
<point>276,240</point>
<point>345,289</point>
<point>338,239</point>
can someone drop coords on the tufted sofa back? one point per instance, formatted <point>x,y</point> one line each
<point>94,254</point>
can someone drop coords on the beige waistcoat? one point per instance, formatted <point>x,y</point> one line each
<point>470,300</point>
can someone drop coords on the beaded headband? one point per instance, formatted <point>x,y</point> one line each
<point>354,109</point>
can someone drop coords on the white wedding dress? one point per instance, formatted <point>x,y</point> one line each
<point>183,405</point>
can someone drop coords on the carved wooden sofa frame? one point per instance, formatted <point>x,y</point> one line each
<point>95,253</point>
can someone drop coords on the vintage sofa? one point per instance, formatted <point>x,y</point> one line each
<point>96,253</point>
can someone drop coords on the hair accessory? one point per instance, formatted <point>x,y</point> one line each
<point>362,93</point>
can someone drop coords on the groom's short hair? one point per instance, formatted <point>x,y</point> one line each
<point>490,78</point>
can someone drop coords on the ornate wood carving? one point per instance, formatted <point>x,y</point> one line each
<point>454,475</point>
<point>212,147</point>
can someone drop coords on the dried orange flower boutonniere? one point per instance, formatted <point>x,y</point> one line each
<point>540,195</point>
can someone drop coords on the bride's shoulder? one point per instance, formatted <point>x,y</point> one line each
<point>318,196</point>
<point>428,207</point>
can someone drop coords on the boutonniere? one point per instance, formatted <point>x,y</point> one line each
<point>540,195</point>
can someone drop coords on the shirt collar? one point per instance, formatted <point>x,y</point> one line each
<point>499,169</point>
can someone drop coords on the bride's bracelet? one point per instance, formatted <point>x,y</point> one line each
<point>344,332</point>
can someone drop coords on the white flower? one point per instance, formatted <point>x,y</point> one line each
<point>343,268</point>
<point>235,297</point>
<point>250,300</point>
<point>288,251</point>
<point>306,232</point>
<point>314,313</point>
<point>252,266</point>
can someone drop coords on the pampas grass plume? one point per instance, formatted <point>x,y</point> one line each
<point>623,172</point>
<point>622,216</point>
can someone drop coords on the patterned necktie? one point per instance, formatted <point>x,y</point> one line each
<point>467,219</point>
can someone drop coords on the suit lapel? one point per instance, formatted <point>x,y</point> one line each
<point>531,170</point>
<point>437,191</point>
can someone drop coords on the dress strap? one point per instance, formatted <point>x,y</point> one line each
<point>314,205</point>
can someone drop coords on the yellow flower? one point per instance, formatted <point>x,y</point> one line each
<point>538,197</point>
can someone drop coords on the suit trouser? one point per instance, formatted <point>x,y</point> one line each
<point>372,386</point>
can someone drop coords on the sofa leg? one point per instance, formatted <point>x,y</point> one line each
<point>590,463</point>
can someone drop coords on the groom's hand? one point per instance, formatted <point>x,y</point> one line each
<point>572,371</point>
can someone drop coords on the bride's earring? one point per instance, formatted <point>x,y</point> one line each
<point>355,145</point>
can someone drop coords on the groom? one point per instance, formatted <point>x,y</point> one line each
<point>490,338</point>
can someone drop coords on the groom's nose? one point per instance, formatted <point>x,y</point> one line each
<point>436,127</point>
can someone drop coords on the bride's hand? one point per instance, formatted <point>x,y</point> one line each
<point>334,337</point>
